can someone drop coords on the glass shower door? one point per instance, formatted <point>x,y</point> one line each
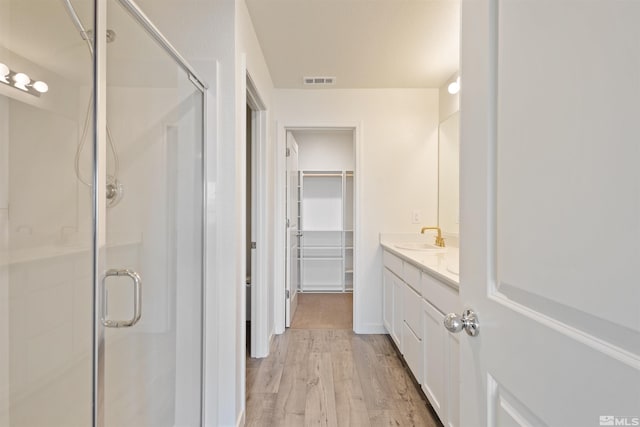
<point>152,257</point>
<point>46,223</point>
<point>136,361</point>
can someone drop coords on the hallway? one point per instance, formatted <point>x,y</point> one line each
<point>332,377</point>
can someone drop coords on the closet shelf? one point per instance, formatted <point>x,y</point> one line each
<point>326,219</point>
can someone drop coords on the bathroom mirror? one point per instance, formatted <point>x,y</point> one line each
<point>448,174</point>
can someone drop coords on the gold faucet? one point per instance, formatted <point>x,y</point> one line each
<point>439,239</point>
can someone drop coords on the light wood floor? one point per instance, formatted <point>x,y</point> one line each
<point>324,311</point>
<point>333,377</point>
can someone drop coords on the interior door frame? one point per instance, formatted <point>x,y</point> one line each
<point>280,214</point>
<point>260,217</point>
<point>291,303</point>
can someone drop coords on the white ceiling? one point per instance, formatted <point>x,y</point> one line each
<point>363,43</point>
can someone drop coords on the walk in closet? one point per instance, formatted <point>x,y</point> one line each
<point>326,188</point>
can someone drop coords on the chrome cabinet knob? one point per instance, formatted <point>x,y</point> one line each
<point>468,321</point>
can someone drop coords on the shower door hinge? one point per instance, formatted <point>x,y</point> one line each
<point>288,222</point>
<point>288,152</point>
<point>287,293</point>
<point>253,245</point>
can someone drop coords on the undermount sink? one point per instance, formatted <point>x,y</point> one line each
<point>425,247</point>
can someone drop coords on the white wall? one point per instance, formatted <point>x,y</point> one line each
<point>4,237</point>
<point>396,168</point>
<point>4,273</point>
<point>449,163</point>
<point>449,175</point>
<point>250,61</point>
<point>322,150</point>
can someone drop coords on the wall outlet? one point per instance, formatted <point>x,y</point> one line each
<point>416,216</point>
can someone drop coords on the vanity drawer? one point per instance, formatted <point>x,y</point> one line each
<point>412,310</point>
<point>412,276</point>
<point>393,263</point>
<point>443,297</point>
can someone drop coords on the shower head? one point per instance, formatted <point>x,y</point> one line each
<point>87,35</point>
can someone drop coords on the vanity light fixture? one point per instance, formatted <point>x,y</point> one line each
<point>4,73</point>
<point>21,81</point>
<point>454,87</point>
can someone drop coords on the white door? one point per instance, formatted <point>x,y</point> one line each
<point>550,205</point>
<point>293,230</point>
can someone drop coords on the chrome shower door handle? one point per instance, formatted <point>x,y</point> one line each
<point>137,299</point>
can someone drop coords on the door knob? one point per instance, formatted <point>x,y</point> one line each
<point>468,321</point>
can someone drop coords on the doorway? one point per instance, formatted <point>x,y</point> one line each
<point>320,204</point>
<point>257,255</point>
<point>249,184</point>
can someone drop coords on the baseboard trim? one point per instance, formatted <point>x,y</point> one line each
<point>241,420</point>
<point>370,328</point>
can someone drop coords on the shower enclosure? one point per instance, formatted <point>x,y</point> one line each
<point>101,219</point>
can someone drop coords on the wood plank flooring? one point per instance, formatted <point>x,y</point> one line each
<point>333,377</point>
<point>324,311</point>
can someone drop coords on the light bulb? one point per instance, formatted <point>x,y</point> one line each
<point>21,81</point>
<point>41,87</point>
<point>4,72</point>
<point>454,87</point>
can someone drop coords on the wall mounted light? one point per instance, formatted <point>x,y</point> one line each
<point>21,81</point>
<point>4,73</point>
<point>454,87</point>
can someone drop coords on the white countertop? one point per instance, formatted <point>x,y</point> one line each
<point>441,265</point>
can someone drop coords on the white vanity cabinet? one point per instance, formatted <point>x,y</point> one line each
<point>441,350</point>
<point>441,376</point>
<point>414,306</point>
<point>393,297</point>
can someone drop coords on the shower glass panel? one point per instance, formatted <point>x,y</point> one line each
<point>152,370</point>
<point>149,165</point>
<point>46,221</point>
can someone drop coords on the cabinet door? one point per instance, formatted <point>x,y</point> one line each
<point>387,299</point>
<point>434,371</point>
<point>412,305</point>
<point>412,351</point>
<point>452,380</point>
<point>398,311</point>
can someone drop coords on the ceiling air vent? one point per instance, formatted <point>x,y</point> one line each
<point>319,81</point>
